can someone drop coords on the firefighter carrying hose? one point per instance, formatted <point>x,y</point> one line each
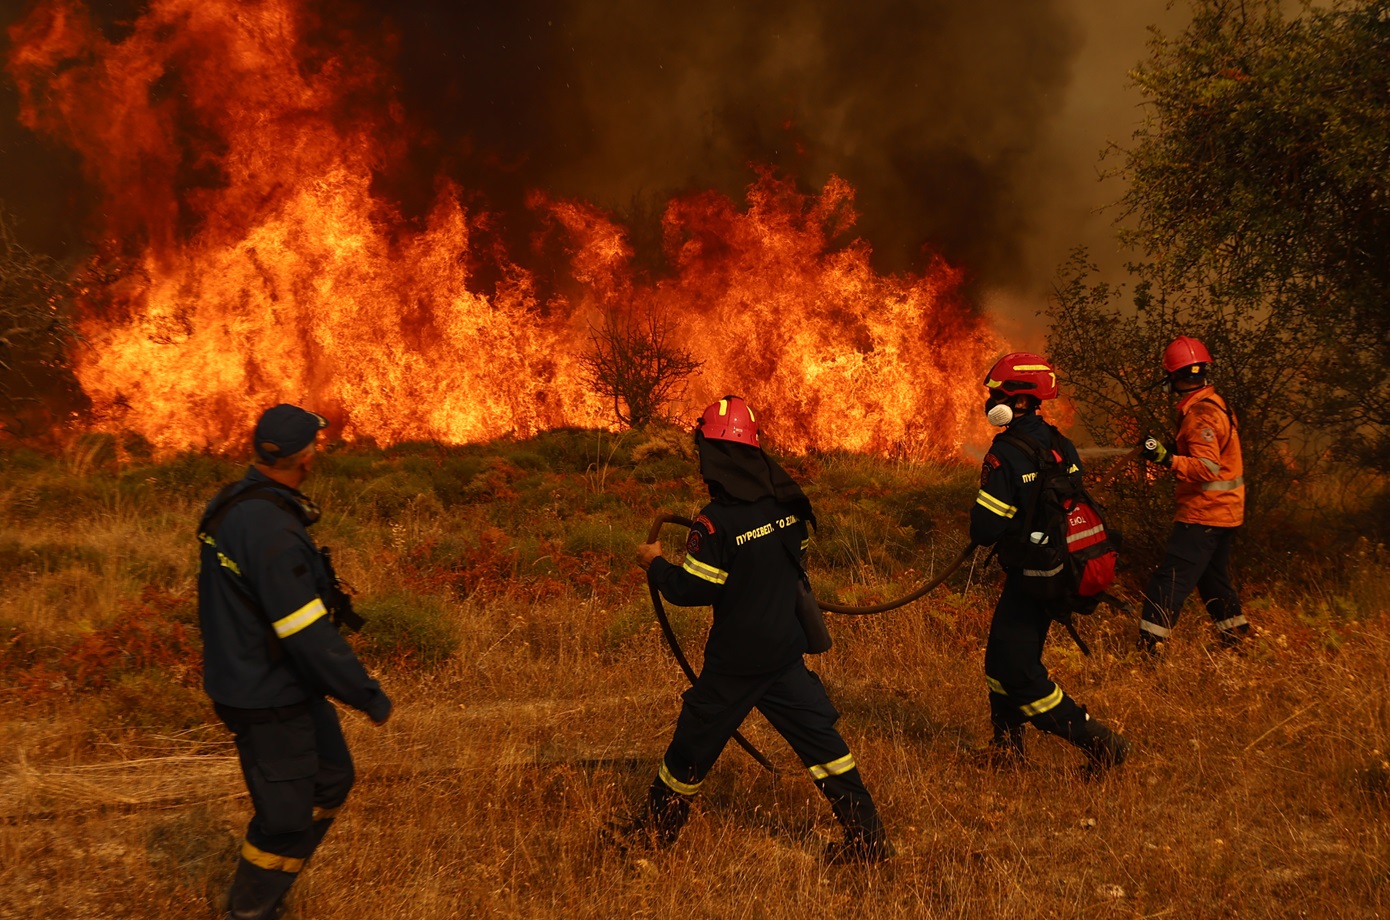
<point>743,559</point>
<point>1020,690</point>
<point>1211,504</point>
<point>271,652</point>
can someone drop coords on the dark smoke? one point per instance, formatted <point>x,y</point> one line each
<point>931,109</point>
<point>942,114</point>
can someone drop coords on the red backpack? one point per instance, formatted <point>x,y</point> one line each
<point>1062,553</point>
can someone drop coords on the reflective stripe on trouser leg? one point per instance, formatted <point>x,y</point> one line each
<point>264,859</point>
<point>711,711</point>
<point>797,706</point>
<point>1217,591</point>
<point>675,785</point>
<point>1014,668</point>
<point>1186,559</point>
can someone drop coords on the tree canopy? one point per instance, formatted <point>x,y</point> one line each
<point>1257,215</point>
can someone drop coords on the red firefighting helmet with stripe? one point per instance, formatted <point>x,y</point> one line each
<point>730,419</point>
<point>1185,351</point>
<point>1023,374</point>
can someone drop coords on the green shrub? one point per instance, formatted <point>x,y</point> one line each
<point>14,461</point>
<point>152,700</point>
<point>579,450</point>
<point>662,467</point>
<point>389,494</point>
<point>598,536</point>
<point>454,477</point>
<point>191,474</point>
<point>406,629</point>
<point>64,497</point>
<point>350,465</point>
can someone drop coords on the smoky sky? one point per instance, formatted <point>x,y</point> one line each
<point>942,114</point>
<point>930,109</point>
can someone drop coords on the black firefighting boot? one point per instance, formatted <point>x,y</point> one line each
<point>1105,747</point>
<point>1234,638</point>
<point>667,811</point>
<point>865,840</point>
<point>257,894</point>
<point>1150,647</point>
<point>1005,749</point>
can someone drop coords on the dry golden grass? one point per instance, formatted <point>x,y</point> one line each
<point>1259,786</point>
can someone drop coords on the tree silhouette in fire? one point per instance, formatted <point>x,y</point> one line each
<point>633,361</point>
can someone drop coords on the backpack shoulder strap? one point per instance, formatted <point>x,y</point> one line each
<point>1042,459</point>
<point>223,503</point>
<point>1031,448</point>
<point>796,561</point>
<point>1230,416</point>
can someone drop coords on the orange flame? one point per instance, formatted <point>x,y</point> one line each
<point>237,162</point>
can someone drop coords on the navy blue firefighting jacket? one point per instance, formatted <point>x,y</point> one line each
<point>262,577</point>
<point>1009,481</point>
<point>737,561</point>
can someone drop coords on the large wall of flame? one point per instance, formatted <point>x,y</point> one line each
<point>241,149</point>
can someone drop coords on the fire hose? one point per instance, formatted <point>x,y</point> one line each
<point>844,609</point>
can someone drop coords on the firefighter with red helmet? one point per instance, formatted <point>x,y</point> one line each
<point>742,558</point>
<point>1020,691</point>
<point>1210,495</point>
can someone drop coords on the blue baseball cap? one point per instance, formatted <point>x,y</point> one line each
<point>284,430</point>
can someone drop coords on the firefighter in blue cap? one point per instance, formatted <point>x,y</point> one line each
<point>742,557</point>
<point>268,607</point>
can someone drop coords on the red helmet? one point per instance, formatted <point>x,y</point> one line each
<point>1185,351</point>
<point>730,419</point>
<point>1023,374</point>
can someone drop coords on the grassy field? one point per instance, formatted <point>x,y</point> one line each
<point>534,697</point>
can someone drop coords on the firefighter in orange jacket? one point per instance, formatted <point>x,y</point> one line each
<point>1211,503</point>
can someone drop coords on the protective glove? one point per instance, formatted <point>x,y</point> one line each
<point>1153,451</point>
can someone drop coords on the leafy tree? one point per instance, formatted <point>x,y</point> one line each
<point>35,330</point>
<point>1258,216</point>
<point>634,361</point>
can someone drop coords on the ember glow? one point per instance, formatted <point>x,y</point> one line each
<point>258,265</point>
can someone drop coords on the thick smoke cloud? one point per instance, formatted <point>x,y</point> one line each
<point>932,109</point>
<point>944,115</point>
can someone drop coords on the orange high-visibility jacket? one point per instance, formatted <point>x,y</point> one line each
<point>1211,483</point>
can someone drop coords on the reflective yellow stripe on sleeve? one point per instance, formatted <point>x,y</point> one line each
<point>994,686</point>
<point>288,626</point>
<point>707,572</point>
<point>1225,485</point>
<point>834,768</point>
<point>990,503</point>
<point>272,861</point>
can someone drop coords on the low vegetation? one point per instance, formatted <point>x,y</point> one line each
<point>510,623</point>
